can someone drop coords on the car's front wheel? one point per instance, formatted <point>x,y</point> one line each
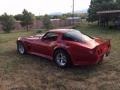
<point>61,58</point>
<point>20,48</point>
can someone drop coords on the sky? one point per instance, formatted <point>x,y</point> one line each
<point>41,7</point>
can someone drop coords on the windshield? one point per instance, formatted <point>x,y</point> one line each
<point>75,35</point>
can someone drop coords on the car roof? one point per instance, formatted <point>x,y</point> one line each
<point>62,31</point>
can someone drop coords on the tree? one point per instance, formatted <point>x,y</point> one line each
<point>39,17</point>
<point>101,5</point>
<point>118,4</point>
<point>46,22</point>
<point>18,17</point>
<point>63,17</point>
<point>27,19</point>
<point>7,22</point>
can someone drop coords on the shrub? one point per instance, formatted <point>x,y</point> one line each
<point>7,22</point>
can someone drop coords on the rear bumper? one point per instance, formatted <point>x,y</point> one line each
<point>90,60</point>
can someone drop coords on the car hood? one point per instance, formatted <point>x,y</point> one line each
<point>36,37</point>
<point>33,37</point>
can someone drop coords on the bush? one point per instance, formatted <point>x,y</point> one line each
<point>7,22</point>
<point>39,31</point>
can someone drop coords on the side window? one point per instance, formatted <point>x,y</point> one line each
<point>50,36</point>
<point>67,37</point>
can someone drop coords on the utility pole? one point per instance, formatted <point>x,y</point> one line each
<point>73,12</point>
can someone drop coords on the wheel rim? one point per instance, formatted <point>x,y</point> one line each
<point>61,59</point>
<point>21,49</point>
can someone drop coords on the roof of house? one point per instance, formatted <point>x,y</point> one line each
<point>108,12</point>
<point>54,19</point>
<point>73,18</point>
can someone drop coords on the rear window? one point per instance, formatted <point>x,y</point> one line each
<point>77,36</point>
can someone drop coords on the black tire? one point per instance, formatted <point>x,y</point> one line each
<point>21,48</point>
<point>61,58</point>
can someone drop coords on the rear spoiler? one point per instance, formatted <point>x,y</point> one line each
<point>104,47</point>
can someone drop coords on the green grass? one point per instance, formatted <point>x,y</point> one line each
<point>31,72</point>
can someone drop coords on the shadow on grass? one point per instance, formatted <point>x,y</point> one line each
<point>40,61</point>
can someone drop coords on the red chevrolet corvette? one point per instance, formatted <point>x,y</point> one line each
<point>65,47</point>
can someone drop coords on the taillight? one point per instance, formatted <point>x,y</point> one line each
<point>91,52</point>
<point>99,51</point>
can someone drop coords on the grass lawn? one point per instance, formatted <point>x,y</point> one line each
<point>31,72</point>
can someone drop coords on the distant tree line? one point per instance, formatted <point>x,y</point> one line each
<point>8,21</point>
<point>27,19</point>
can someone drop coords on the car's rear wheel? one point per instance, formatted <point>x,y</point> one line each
<point>20,48</point>
<point>61,58</point>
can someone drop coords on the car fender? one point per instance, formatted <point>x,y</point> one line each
<point>65,48</point>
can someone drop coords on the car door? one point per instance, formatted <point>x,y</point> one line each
<point>33,44</point>
<point>47,43</point>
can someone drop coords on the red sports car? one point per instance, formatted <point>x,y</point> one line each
<point>65,47</point>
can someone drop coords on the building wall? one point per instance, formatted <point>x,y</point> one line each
<point>18,26</point>
<point>66,22</point>
<point>37,24</point>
